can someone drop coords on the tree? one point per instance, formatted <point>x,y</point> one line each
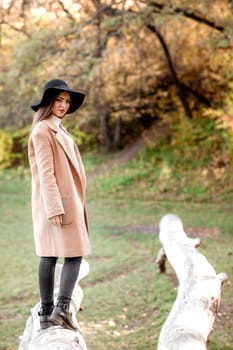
<point>126,56</point>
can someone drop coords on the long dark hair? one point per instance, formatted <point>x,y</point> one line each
<point>44,112</point>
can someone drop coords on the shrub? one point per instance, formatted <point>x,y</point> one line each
<point>6,146</point>
<point>19,151</point>
<point>192,144</point>
<point>13,147</point>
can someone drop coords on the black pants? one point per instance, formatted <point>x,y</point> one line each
<point>69,275</point>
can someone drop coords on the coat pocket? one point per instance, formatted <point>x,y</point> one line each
<point>67,202</point>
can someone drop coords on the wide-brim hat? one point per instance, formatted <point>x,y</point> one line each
<point>55,86</point>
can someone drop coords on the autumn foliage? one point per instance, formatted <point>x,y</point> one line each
<point>137,62</point>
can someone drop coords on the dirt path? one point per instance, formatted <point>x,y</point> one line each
<point>128,153</point>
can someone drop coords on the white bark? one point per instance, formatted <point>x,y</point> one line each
<point>56,337</point>
<point>192,316</point>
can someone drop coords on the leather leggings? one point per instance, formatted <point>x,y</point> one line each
<point>69,275</point>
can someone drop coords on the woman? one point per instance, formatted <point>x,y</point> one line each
<point>58,200</point>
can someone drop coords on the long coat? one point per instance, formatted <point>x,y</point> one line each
<point>58,188</point>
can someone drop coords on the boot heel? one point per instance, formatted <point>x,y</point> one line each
<point>44,315</point>
<point>62,317</point>
<point>58,320</point>
<point>45,325</point>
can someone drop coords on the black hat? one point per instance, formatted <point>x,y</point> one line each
<point>56,86</point>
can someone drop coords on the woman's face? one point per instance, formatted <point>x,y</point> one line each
<point>61,104</point>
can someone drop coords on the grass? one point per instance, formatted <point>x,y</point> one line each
<point>125,300</point>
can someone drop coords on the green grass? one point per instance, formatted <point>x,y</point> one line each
<point>125,300</point>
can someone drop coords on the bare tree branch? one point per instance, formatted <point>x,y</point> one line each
<point>189,14</point>
<point>171,67</point>
<point>67,11</point>
<point>105,9</point>
<point>19,30</point>
<point>102,45</point>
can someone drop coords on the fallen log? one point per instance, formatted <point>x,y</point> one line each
<point>56,337</point>
<point>192,316</point>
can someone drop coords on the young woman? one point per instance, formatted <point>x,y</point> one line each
<point>59,213</point>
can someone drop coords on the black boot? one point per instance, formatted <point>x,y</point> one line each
<point>61,316</point>
<point>45,313</point>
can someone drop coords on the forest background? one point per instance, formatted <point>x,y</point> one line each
<point>143,65</point>
<point>158,80</point>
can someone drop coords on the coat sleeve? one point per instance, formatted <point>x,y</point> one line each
<point>44,167</point>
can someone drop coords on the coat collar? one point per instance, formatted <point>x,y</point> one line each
<point>51,125</point>
<point>64,143</point>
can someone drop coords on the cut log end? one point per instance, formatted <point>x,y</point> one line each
<point>161,261</point>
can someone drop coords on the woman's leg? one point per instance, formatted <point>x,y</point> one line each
<point>46,285</point>
<point>69,275</point>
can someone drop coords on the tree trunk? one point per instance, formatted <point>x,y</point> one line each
<point>117,134</point>
<point>179,89</point>
<point>192,316</point>
<point>105,131</point>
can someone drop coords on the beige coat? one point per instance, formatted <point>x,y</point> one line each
<point>58,187</point>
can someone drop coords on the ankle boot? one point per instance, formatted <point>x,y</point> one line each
<point>44,314</point>
<point>62,317</point>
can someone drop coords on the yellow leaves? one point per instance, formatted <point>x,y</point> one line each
<point>166,171</point>
<point>13,147</point>
<point>6,145</point>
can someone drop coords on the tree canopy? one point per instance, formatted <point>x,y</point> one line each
<point>136,60</point>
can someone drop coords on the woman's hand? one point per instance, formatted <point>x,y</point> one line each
<point>56,220</point>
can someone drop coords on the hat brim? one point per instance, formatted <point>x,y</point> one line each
<point>77,99</point>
